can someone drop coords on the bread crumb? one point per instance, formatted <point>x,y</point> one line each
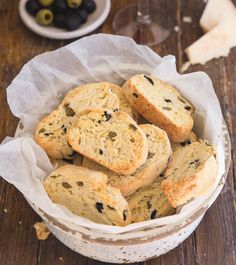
<point>5,210</point>
<point>185,67</point>
<point>41,230</point>
<point>60,258</point>
<point>187,19</point>
<point>19,222</point>
<point>176,28</point>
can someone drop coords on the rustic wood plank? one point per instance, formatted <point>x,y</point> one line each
<point>213,228</point>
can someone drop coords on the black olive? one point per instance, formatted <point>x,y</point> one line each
<point>100,152</point>
<point>168,100</point>
<point>83,14</point>
<point>60,5</point>
<point>135,95</point>
<point>59,20</point>
<point>153,214</point>
<point>107,115</point>
<point>73,22</point>
<point>32,7</point>
<point>149,79</point>
<point>99,206</point>
<point>188,108</point>
<point>89,6</point>
<point>124,215</point>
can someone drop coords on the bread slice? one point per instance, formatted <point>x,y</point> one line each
<point>86,193</point>
<point>149,203</point>
<point>161,104</point>
<point>51,132</point>
<point>112,139</point>
<point>191,173</point>
<point>92,95</point>
<point>190,139</point>
<point>159,152</point>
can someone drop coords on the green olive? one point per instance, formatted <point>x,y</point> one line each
<point>44,17</point>
<point>74,3</point>
<point>46,2</point>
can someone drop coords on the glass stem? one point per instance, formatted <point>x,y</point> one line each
<point>143,14</point>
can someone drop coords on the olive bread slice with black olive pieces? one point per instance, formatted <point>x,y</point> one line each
<point>51,132</point>
<point>159,152</point>
<point>161,104</point>
<point>149,203</point>
<point>86,193</point>
<point>112,139</point>
<point>191,173</point>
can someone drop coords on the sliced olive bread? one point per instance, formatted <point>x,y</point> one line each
<point>159,151</point>
<point>191,173</point>
<point>112,139</point>
<point>149,203</point>
<point>161,104</point>
<point>86,193</point>
<point>51,132</point>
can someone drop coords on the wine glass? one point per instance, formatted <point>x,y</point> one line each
<point>145,22</point>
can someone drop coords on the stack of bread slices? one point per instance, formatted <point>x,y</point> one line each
<point>125,154</point>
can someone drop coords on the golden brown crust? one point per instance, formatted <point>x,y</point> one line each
<point>191,173</point>
<point>152,113</point>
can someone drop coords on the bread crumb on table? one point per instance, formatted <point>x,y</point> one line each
<point>60,258</point>
<point>5,210</point>
<point>176,28</point>
<point>41,230</point>
<point>187,19</point>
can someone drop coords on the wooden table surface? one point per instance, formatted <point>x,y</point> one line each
<point>213,242</point>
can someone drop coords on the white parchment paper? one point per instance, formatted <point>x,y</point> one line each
<point>43,81</point>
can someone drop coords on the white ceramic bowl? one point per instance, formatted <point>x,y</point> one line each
<point>135,246</point>
<point>94,21</point>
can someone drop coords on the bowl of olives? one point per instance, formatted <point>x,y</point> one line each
<point>63,19</point>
